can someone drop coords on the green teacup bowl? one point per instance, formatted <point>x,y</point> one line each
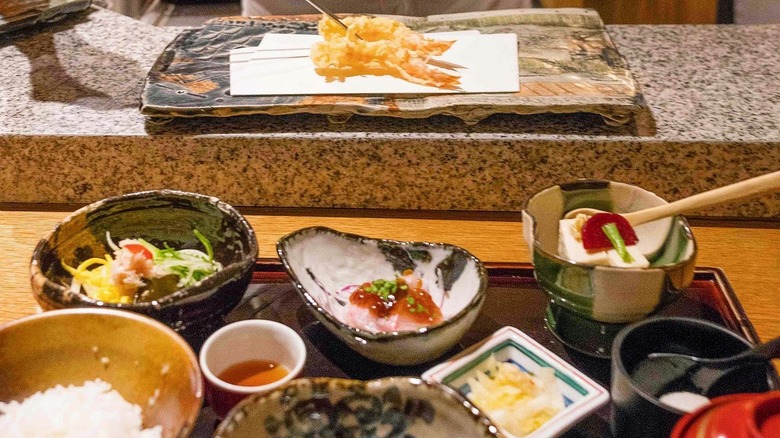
<point>589,298</point>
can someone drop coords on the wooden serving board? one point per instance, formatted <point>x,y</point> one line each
<point>568,64</point>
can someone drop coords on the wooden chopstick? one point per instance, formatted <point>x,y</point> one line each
<point>434,62</point>
<point>332,16</point>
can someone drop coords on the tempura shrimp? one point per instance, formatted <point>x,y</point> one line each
<point>379,46</point>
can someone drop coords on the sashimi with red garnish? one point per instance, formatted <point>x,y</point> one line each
<point>400,304</point>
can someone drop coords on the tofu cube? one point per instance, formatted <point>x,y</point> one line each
<point>570,247</point>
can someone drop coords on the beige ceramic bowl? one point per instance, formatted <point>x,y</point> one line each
<point>135,354</point>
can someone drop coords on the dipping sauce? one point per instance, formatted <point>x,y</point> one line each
<point>253,373</point>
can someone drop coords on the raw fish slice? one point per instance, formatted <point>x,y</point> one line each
<point>361,317</point>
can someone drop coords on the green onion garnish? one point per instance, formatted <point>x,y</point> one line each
<point>205,242</point>
<point>614,237</point>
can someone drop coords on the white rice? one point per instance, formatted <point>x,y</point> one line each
<point>93,410</point>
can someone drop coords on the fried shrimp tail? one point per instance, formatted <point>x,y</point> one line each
<point>379,46</point>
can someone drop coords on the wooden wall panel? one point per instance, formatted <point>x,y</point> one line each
<point>646,11</point>
<point>563,3</point>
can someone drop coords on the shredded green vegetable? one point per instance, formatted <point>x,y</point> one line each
<point>191,265</point>
<point>616,239</point>
<point>205,242</point>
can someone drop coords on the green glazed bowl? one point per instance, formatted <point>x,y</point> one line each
<point>608,296</point>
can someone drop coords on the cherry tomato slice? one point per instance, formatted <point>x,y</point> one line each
<point>593,236</point>
<point>138,249</point>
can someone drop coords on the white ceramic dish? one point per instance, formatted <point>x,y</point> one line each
<point>581,394</point>
<point>322,263</point>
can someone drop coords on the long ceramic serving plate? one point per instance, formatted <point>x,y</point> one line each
<point>567,62</point>
<point>16,15</point>
<point>513,299</point>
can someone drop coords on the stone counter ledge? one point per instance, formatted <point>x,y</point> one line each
<point>71,132</point>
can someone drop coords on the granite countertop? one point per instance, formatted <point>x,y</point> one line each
<point>71,131</point>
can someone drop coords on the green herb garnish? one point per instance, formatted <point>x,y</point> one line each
<point>205,242</point>
<point>616,239</point>
<point>189,264</point>
<point>384,288</point>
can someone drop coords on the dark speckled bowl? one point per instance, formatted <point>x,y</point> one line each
<point>637,411</point>
<point>391,407</point>
<point>163,216</point>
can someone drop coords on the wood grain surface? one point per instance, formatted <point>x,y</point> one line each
<point>646,11</point>
<point>750,257</point>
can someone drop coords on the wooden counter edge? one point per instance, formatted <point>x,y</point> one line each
<point>750,257</point>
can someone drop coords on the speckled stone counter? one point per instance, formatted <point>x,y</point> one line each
<point>71,132</point>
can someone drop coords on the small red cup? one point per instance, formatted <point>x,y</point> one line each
<point>245,341</point>
<point>733,416</point>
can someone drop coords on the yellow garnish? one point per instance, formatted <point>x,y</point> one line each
<point>576,226</point>
<point>97,282</point>
<point>515,400</point>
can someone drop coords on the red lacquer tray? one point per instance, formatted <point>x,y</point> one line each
<point>513,298</point>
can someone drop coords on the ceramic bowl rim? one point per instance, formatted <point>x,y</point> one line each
<point>605,182</point>
<point>82,299</point>
<point>474,303</point>
<point>444,390</point>
<point>621,336</point>
<point>152,323</point>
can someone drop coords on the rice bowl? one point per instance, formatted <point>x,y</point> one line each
<point>94,409</point>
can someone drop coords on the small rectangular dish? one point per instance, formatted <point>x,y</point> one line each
<point>582,396</point>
